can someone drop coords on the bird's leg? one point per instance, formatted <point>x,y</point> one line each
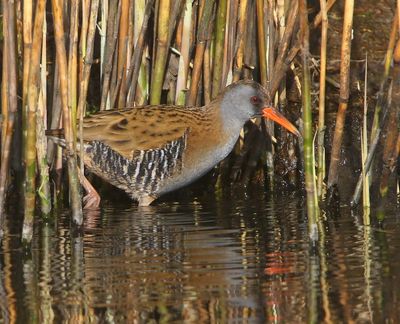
<point>92,198</point>
<point>146,200</point>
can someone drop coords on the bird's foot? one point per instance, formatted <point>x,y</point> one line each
<point>91,200</point>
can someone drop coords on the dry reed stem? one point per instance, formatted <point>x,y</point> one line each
<point>129,50</point>
<point>103,32</point>
<point>261,42</point>
<point>184,60</point>
<point>278,70</point>
<point>74,189</point>
<point>83,34</point>
<point>11,93</point>
<point>392,43</point>
<point>137,55</point>
<point>229,43</point>
<point>32,101</point>
<point>73,62</point>
<point>219,47</point>
<point>204,30</point>
<point>123,45</point>
<point>41,140</point>
<point>321,109</point>
<point>121,59</point>
<point>4,86</point>
<point>162,46</point>
<point>281,68</point>
<point>344,93</point>
<point>240,40</point>
<point>207,73</point>
<point>270,11</point>
<point>27,39</point>
<point>84,82</point>
<point>111,41</point>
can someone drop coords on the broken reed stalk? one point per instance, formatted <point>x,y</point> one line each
<point>74,188</point>
<point>202,37</point>
<point>309,162</point>
<point>344,93</point>
<point>219,47</point>
<point>11,93</point>
<point>321,110</point>
<point>161,55</point>
<point>32,102</point>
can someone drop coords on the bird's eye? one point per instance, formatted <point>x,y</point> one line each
<point>255,100</point>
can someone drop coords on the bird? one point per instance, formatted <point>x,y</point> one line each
<point>152,150</point>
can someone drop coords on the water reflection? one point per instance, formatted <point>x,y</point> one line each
<point>234,259</point>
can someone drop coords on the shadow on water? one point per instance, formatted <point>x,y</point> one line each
<point>237,258</point>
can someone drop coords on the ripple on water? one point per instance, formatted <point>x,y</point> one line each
<point>246,259</point>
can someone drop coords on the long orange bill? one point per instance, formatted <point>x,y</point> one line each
<point>277,117</point>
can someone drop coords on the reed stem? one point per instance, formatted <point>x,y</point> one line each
<point>183,70</point>
<point>74,189</point>
<point>309,162</point>
<point>11,100</point>
<point>32,102</point>
<point>344,93</point>
<point>134,69</point>
<point>219,47</point>
<point>204,29</point>
<point>161,52</point>
<point>321,110</point>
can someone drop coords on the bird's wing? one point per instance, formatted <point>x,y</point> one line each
<point>129,132</point>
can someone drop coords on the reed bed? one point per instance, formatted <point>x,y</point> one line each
<point>64,59</point>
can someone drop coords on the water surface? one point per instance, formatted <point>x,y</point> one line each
<point>233,259</point>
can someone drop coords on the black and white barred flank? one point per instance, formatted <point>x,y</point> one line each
<point>144,173</point>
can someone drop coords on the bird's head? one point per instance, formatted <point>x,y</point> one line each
<point>249,100</point>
